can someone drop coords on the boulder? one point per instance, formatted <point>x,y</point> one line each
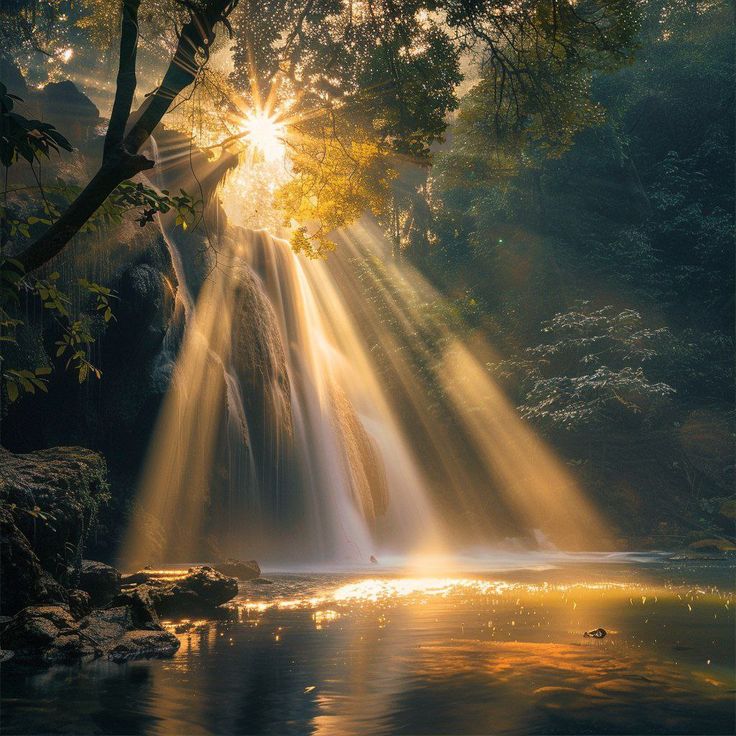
<point>138,644</point>
<point>45,633</point>
<point>198,593</point>
<point>69,109</point>
<point>209,584</point>
<point>240,569</point>
<point>101,581</point>
<point>141,601</point>
<point>50,635</point>
<point>136,578</point>
<point>105,626</point>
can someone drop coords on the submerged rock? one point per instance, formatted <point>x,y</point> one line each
<point>101,581</point>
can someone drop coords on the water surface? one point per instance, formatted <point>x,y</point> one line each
<point>376,652</point>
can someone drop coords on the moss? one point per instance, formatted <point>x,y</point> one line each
<point>55,496</point>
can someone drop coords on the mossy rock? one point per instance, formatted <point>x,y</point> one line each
<point>54,497</point>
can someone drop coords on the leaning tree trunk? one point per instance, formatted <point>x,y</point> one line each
<point>121,159</point>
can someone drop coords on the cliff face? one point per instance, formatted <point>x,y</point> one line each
<point>49,504</point>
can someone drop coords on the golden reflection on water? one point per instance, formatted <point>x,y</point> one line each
<point>386,654</point>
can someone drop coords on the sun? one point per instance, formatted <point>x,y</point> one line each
<point>265,134</point>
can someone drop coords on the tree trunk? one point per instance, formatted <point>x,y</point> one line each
<point>121,160</point>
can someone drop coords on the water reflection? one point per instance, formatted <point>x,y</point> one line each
<point>329,654</point>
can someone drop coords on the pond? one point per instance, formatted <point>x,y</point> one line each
<point>497,651</point>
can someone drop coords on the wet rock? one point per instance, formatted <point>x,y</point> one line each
<point>50,635</point>
<point>209,584</point>
<point>240,569</point>
<point>104,627</point>
<point>101,581</point>
<point>262,581</point>
<point>198,593</point>
<point>138,644</point>
<point>141,601</point>
<point>45,633</point>
<point>136,578</point>
<point>596,633</point>
<point>5,655</point>
<point>37,626</point>
<point>80,603</point>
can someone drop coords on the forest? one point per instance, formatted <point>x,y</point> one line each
<point>324,320</point>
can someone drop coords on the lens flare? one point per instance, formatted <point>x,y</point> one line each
<point>265,134</point>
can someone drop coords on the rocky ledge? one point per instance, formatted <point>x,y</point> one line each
<point>57,606</point>
<point>51,635</point>
<point>128,627</point>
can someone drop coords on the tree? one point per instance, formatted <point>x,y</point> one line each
<point>363,85</point>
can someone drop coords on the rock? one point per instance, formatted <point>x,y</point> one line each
<point>138,644</point>
<point>198,593</point>
<point>136,578</point>
<point>240,569</point>
<point>209,584</point>
<point>595,633</point>
<point>23,582</point>
<point>80,603</point>
<point>141,602</point>
<point>37,626</point>
<point>101,581</point>
<point>49,634</point>
<point>69,109</point>
<point>5,655</point>
<point>53,497</point>
<point>104,627</point>
<point>712,546</point>
<point>45,633</point>
<point>262,581</point>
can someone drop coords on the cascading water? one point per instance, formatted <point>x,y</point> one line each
<point>275,439</point>
<point>284,437</point>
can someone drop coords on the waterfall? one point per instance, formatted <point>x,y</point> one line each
<point>275,439</point>
<point>284,436</point>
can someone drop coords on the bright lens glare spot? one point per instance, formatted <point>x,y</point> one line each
<point>265,134</point>
<point>66,55</point>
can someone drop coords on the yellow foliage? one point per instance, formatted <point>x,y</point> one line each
<point>334,183</point>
